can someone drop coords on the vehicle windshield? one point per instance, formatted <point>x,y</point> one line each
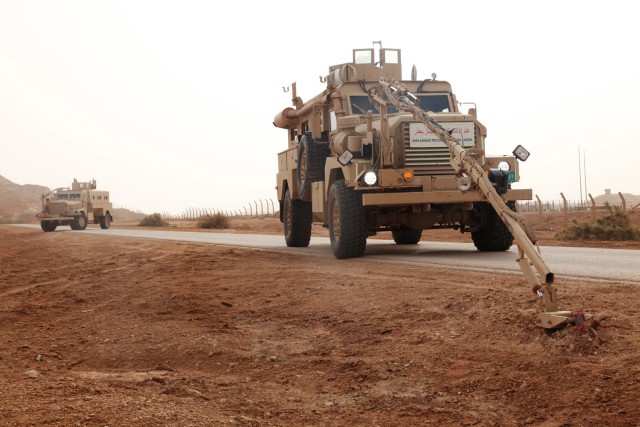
<point>435,103</point>
<point>68,196</point>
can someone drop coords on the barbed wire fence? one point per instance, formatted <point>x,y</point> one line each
<point>263,208</point>
<point>259,208</point>
<point>576,205</point>
<point>565,206</point>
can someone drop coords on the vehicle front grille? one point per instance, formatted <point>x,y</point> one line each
<point>57,208</point>
<point>426,160</point>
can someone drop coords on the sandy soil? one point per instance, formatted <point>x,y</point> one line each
<point>97,331</point>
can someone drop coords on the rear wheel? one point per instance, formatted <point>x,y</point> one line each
<point>105,221</point>
<point>48,225</point>
<point>311,159</point>
<point>79,222</point>
<point>347,221</point>
<point>406,236</point>
<point>297,222</point>
<point>494,235</point>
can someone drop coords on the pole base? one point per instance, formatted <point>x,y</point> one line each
<point>558,319</point>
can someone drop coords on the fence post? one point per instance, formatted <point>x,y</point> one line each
<point>624,202</point>
<point>593,206</point>
<point>539,205</point>
<point>565,209</point>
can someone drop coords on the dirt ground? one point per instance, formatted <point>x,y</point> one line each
<point>98,331</point>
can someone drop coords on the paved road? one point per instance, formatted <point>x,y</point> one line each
<point>620,265</point>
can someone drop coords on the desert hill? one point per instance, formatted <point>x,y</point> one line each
<point>20,203</point>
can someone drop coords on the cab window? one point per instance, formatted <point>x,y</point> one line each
<point>435,103</point>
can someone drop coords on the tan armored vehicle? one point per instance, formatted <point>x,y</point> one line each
<point>375,153</point>
<point>76,207</point>
<point>359,166</point>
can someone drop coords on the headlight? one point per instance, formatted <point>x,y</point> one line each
<point>345,158</point>
<point>370,178</point>
<point>504,166</point>
<point>464,183</point>
<point>521,153</point>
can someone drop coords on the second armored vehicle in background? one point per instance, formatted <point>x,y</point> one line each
<point>76,207</point>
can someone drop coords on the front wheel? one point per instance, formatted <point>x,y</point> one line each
<point>347,221</point>
<point>407,236</point>
<point>494,236</point>
<point>297,222</point>
<point>79,222</point>
<point>48,225</point>
<point>105,221</point>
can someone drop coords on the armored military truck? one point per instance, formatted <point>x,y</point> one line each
<point>76,207</point>
<point>359,166</point>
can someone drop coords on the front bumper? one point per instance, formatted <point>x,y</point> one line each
<point>436,197</point>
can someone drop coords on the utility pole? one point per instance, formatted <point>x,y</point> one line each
<point>584,167</point>
<point>580,176</point>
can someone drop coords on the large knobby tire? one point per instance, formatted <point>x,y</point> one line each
<point>311,159</point>
<point>79,222</point>
<point>105,221</point>
<point>48,225</point>
<point>494,236</point>
<point>297,220</point>
<point>406,236</point>
<point>347,221</point>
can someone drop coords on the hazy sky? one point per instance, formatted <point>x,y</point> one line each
<point>169,104</point>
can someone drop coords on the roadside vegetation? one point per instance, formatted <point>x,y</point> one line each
<point>217,220</point>
<point>614,226</point>
<point>22,218</point>
<point>153,220</point>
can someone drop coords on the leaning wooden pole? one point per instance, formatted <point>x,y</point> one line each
<point>386,92</point>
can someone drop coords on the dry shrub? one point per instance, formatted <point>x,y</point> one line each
<point>614,226</point>
<point>218,220</point>
<point>153,220</point>
<point>21,218</point>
